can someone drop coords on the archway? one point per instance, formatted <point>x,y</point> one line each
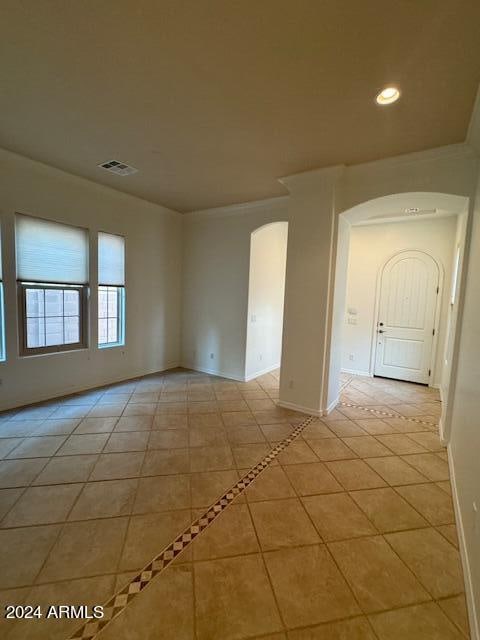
<point>396,208</point>
<point>266,292</point>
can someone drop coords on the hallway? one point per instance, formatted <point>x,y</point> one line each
<point>348,531</point>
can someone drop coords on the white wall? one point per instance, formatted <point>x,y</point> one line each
<point>371,246</point>
<point>308,289</point>
<point>452,339</point>
<point>338,312</point>
<point>464,444</point>
<point>215,294</point>
<point>153,281</point>
<point>268,260</point>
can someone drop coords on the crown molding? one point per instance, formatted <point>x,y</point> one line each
<point>460,150</point>
<point>238,209</point>
<point>473,133</point>
<point>313,178</point>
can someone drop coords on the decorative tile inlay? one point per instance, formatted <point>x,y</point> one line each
<point>386,414</point>
<point>117,603</point>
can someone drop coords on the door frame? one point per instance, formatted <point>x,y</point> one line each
<point>436,320</point>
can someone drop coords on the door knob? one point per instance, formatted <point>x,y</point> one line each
<point>381,331</point>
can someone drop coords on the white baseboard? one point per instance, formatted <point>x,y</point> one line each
<point>223,374</point>
<point>467,574</point>
<point>331,406</point>
<point>354,372</point>
<point>441,424</point>
<point>262,372</point>
<point>213,372</point>
<point>71,389</point>
<point>297,407</point>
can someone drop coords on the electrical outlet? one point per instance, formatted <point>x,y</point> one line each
<point>290,384</point>
<point>351,357</point>
<point>212,356</point>
<point>260,357</point>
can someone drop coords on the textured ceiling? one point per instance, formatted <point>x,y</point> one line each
<point>213,100</point>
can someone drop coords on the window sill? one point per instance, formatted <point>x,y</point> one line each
<point>113,345</point>
<point>23,356</point>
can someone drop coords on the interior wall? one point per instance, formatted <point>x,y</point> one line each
<point>338,312</point>
<point>215,291</point>
<point>153,281</point>
<point>465,432</point>
<point>371,246</point>
<point>452,321</point>
<point>266,292</point>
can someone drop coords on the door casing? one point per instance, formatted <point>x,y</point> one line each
<point>373,350</point>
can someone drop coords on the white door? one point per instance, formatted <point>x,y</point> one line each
<point>406,319</point>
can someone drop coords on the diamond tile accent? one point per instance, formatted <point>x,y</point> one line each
<point>387,414</point>
<point>117,603</point>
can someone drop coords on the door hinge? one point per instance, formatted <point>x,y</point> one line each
<point>438,289</point>
<point>429,372</point>
<point>433,332</point>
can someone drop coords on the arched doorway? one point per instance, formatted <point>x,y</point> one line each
<point>266,292</point>
<point>395,208</point>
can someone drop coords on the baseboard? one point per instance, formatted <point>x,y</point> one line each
<point>467,574</point>
<point>262,372</point>
<point>331,406</point>
<point>354,372</point>
<point>297,407</point>
<point>44,397</point>
<point>441,429</point>
<point>213,372</point>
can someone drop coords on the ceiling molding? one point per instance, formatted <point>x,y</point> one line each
<point>237,209</point>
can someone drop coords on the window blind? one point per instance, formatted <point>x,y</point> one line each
<point>50,252</point>
<point>111,260</point>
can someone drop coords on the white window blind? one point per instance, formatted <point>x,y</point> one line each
<point>50,252</point>
<point>111,260</point>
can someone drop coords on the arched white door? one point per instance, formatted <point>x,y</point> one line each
<point>409,288</point>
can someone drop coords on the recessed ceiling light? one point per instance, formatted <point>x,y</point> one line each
<point>412,210</point>
<point>388,96</point>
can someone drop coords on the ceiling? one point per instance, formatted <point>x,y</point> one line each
<point>213,100</point>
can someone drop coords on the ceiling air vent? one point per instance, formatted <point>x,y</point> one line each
<point>120,168</point>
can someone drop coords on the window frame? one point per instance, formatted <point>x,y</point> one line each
<point>120,316</point>
<point>26,351</point>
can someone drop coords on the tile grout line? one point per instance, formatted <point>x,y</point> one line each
<point>299,497</point>
<point>118,602</point>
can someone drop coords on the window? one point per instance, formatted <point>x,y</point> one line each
<point>2,319</point>
<point>52,316</point>
<point>111,290</point>
<point>52,274</point>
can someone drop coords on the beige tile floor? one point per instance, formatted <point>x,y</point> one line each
<point>350,533</point>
